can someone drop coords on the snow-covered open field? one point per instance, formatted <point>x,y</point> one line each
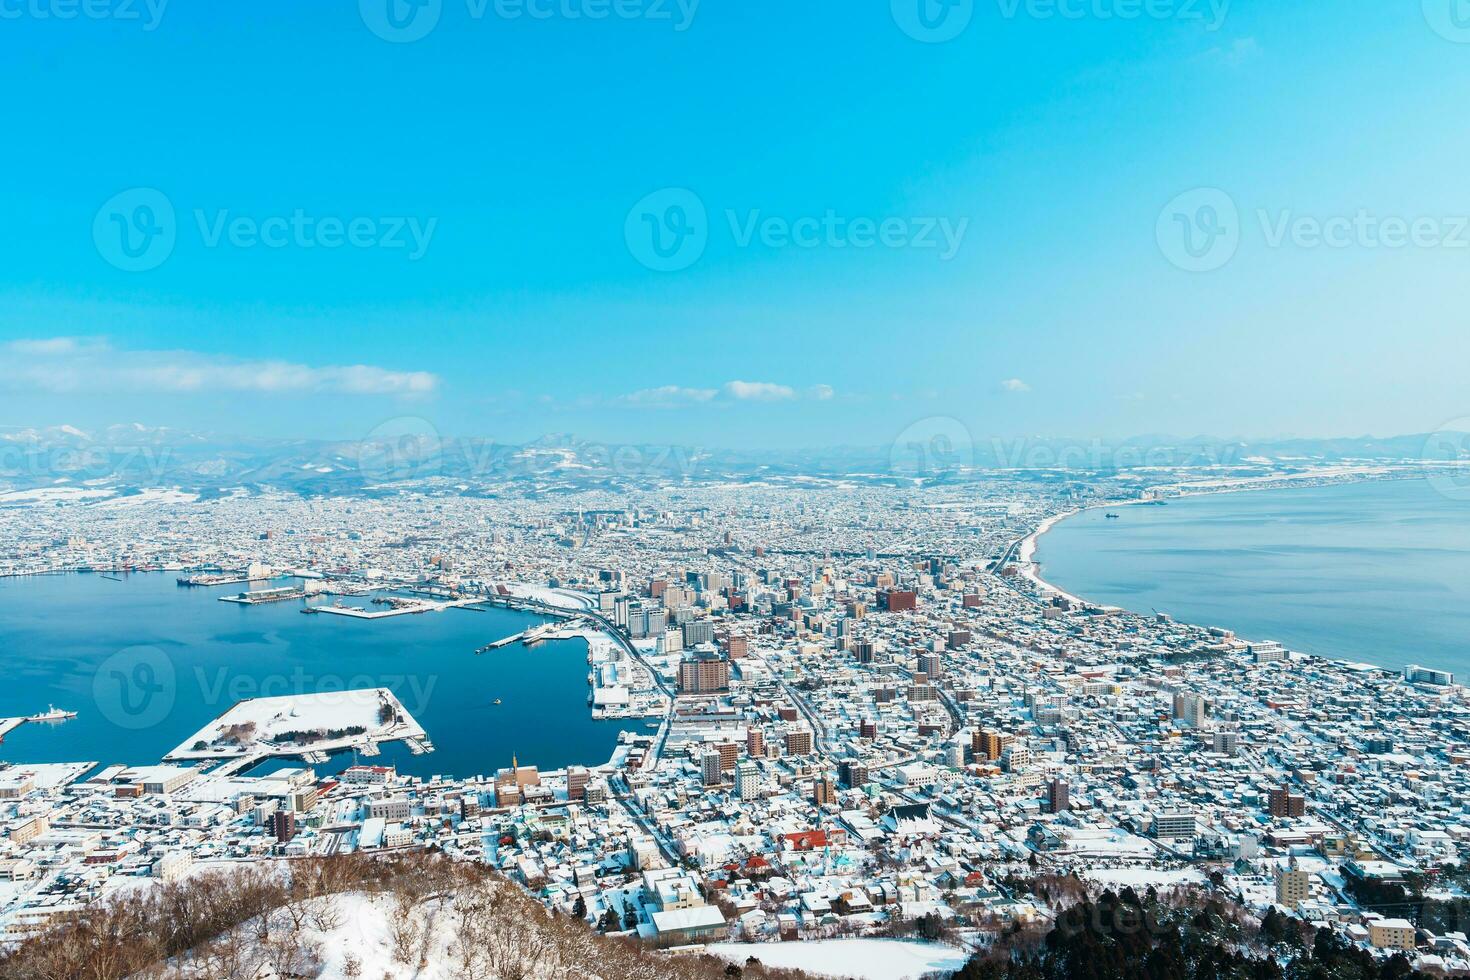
<point>1143,877</point>
<point>864,959</point>
<point>265,719</point>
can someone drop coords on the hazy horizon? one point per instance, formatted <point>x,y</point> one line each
<point>738,225</point>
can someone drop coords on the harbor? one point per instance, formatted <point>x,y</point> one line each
<point>51,715</point>
<point>213,654</point>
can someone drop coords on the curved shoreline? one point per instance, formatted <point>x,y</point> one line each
<point>1030,568</point>
<point>1027,547</point>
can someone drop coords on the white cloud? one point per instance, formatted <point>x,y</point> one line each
<point>68,364</point>
<point>758,391</point>
<point>51,346</point>
<point>668,396</point>
<point>729,393</point>
<point>1015,385</point>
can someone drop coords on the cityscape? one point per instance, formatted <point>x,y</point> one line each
<point>707,490</point>
<point>845,712</point>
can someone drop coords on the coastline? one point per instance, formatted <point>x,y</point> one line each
<point>1030,568</point>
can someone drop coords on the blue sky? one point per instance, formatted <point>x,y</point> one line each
<point>882,227</point>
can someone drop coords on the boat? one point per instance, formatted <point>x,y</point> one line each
<point>1112,517</point>
<point>52,713</point>
<point>496,701</point>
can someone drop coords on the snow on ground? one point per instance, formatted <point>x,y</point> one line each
<point>43,496</point>
<point>49,775</point>
<point>363,935</point>
<point>1143,877</point>
<point>331,710</point>
<point>564,598</point>
<point>865,959</point>
<point>151,496</point>
<point>1106,843</point>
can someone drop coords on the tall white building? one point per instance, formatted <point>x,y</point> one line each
<point>747,780</point>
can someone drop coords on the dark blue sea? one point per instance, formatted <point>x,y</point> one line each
<point>1373,572</point>
<point>146,663</point>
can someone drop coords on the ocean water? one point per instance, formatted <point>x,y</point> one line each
<point>146,663</point>
<point>1373,572</point>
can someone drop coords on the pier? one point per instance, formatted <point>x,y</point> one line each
<point>52,715</point>
<point>533,636</point>
<point>399,607</point>
<point>260,596</point>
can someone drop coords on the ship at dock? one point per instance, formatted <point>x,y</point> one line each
<point>52,713</point>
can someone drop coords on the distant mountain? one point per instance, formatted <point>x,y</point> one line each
<point>410,457</point>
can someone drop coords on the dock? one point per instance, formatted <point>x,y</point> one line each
<point>260,596</point>
<point>8,725</point>
<point>537,635</point>
<point>529,637</point>
<point>399,607</point>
